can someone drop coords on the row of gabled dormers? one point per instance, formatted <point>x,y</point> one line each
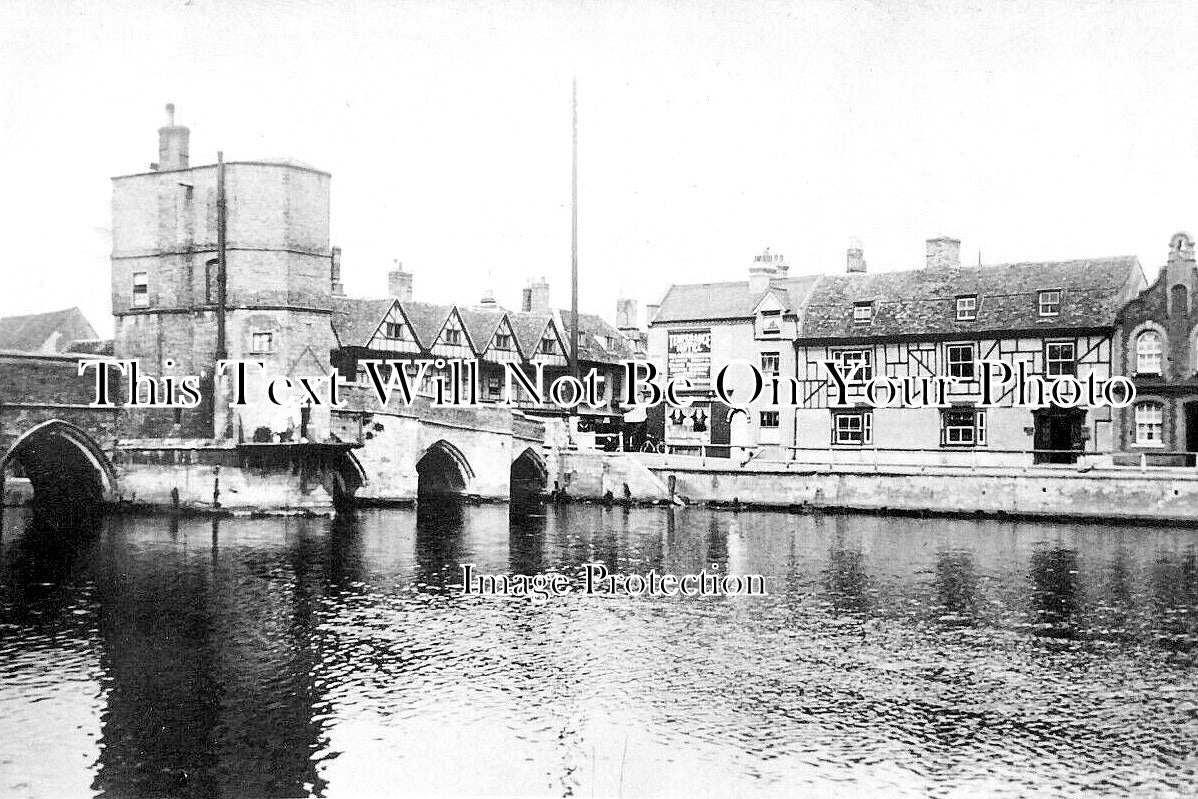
<point>485,331</point>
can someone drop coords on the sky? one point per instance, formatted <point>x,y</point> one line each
<point>707,132</point>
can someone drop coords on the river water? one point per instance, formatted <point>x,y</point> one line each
<point>892,656</point>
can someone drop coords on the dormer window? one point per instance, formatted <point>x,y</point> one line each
<point>393,330</point>
<point>503,341</point>
<point>863,312</point>
<point>453,334</point>
<point>771,323</point>
<point>548,345</point>
<point>967,308</point>
<point>1050,302</point>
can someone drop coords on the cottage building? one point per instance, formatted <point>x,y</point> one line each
<point>1058,318</point>
<point>1158,346</point>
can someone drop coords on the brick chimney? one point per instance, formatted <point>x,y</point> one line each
<point>399,283</point>
<point>536,296</point>
<point>488,299</point>
<point>944,253</point>
<point>335,285</point>
<point>172,143</point>
<point>761,272</point>
<point>855,259</point>
<point>626,314</point>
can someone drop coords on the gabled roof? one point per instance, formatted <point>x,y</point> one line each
<point>923,301</point>
<point>528,327</point>
<point>44,332</point>
<point>426,319</point>
<point>709,302</point>
<point>594,331</point>
<point>356,320</point>
<point>481,323</point>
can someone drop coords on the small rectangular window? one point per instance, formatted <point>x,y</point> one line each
<point>1150,424</point>
<point>393,330</point>
<point>548,345</point>
<point>771,323</point>
<point>853,428</point>
<point>503,341</point>
<point>863,312</point>
<point>453,336</point>
<point>1050,302</point>
<point>141,290</point>
<point>967,308</point>
<point>262,342</point>
<point>770,363</point>
<point>858,362</point>
<point>493,388</point>
<point>963,427</point>
<point>769,418</point>
<point>960,360</point>
<point>1060,358</point>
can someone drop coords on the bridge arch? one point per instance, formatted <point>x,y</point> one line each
<point>343,476</point>
<point>443,471</point>
<point>65,465</point>
<point>529,477</point>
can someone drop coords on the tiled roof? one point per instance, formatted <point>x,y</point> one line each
<point>355,320</point>
<point>594,332</point>
<point>44,332</point>
<point>923,301</point>
<point>702,302</point>
<point>91,346</point>
<point>426,319</point>
<point>481,322</point>
<point>528,327</point>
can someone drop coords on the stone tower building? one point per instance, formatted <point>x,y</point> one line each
<point>279,278</point>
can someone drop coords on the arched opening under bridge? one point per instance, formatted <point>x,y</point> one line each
<point>529,478</point>
<point>443,471</point>
<point>66,468</point>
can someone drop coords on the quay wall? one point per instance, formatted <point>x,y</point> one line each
<point>202,488</point>
<point>1126,494</point>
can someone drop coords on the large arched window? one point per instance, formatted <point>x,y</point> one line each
<point>1148,353</point>
<point>1150,427</point>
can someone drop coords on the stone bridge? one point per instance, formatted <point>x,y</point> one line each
<point>73,455</point>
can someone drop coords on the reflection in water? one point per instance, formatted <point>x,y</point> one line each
<point>283,657</point>
<point>1055,589</point>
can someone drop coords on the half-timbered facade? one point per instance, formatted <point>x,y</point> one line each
<point>1055,318</point>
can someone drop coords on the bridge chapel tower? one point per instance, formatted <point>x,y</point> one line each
<point>167,284</point>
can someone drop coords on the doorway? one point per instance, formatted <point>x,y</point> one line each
<point>1058,434</point>
<point>1191,411</point>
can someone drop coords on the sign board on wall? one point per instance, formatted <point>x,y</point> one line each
<point>689,354</point>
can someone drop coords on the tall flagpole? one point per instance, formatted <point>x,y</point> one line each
<point>574,238</point>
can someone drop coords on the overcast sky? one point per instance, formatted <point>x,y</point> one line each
<point>1031,131</point>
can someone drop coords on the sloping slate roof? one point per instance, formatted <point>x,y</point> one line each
<point>356,320</point>
<point>33,332</point>
<point>700,302</point>
<point>426,319</point>
<point>923,301</point>
<point>590,326</point>
<point>528,327</point>
<point>481,323</point>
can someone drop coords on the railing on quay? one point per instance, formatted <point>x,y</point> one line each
<point>965,458</point>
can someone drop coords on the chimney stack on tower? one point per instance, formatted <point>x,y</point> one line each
<point>761,272</point>
<point>626,314</point>
<point>855,260</point>
<point>399,283</point>
<point>944,253</point>
<point>335,285</point>
<point>172,143</point>
<point>536,296</point>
